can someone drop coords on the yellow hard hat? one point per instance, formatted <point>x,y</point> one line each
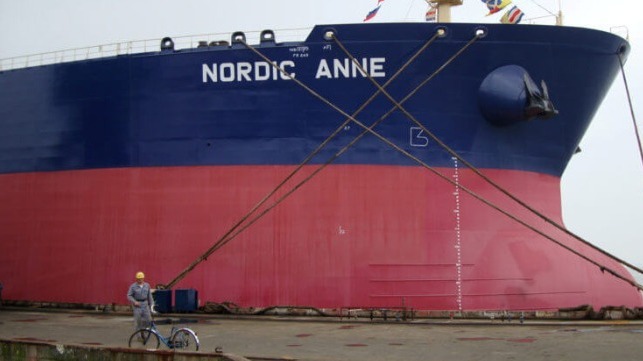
<point>140,275</point>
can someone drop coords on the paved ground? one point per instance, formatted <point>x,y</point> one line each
<point>332,339</point>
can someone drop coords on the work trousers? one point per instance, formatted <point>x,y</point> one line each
<point>142,316</point>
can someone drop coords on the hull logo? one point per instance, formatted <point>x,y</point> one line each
<point>417,137</point>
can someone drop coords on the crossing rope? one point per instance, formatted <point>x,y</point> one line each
<point>486,178</point>
<point>237,228</point>
<point>231,234</point>
<point>502,189</point>
<point>629,99</point>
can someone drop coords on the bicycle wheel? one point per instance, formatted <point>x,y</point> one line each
<point>185,339</point>
<point>144,339</point>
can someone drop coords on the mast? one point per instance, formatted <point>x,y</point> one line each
<point>559,17</point>
<point>444,8</point>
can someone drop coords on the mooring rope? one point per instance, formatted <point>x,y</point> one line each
<point>486,178</point>
<point>229,234</point>
<point>368,129</point>
<point>494,184</point>
<point>629,99</point>
<point>468,191</point>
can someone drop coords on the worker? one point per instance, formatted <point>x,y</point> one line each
<point>140,297</point>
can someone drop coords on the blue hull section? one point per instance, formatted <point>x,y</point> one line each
<point>226,106</point>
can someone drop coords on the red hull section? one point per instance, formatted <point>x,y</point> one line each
<point>354,236</point>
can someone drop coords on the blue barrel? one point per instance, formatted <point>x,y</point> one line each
<point>186,300</point>
<point>163,301</point>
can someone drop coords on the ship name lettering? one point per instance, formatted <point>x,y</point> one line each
<point>246,71</point>
<point>345,68</point>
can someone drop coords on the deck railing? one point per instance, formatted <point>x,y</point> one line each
<point>139,46</point>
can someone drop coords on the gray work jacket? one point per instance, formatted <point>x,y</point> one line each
<point>140,293</point>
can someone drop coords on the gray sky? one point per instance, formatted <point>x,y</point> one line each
<point>603,185</point>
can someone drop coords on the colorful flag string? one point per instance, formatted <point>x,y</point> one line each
<point>373,12</point>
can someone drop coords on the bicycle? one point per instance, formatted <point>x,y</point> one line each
<point>150,339</point>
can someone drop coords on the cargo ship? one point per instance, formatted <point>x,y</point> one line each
<point>377,134</point>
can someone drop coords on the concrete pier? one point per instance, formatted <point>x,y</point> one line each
<point>323,338</point>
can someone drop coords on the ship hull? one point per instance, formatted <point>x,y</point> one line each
<point>354,236</point>
<point>143,162</point>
